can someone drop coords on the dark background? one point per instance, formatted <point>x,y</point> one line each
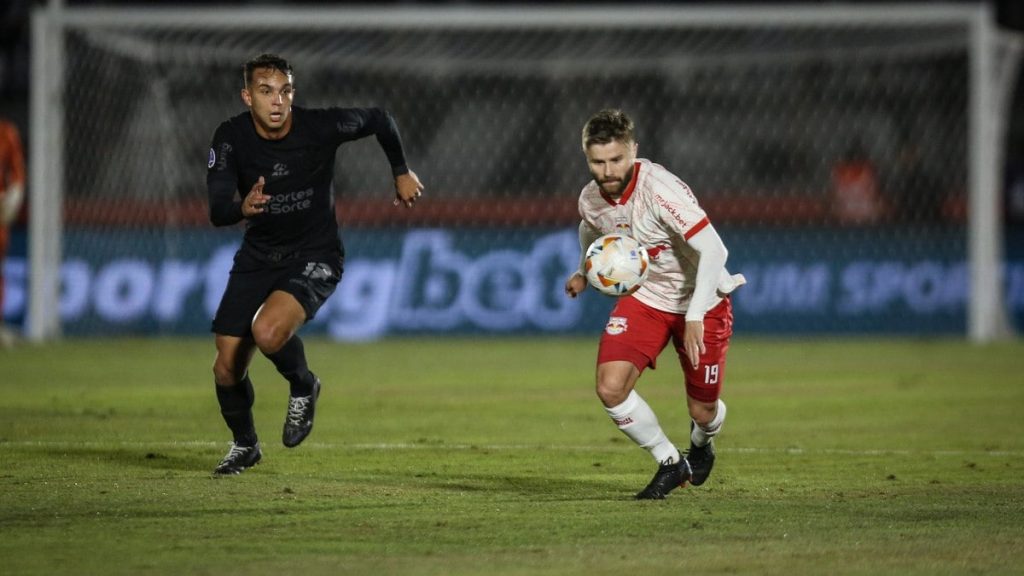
<point>15,61</point>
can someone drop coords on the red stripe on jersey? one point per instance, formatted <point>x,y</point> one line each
<point>632,183</point>
<point>696,228</point>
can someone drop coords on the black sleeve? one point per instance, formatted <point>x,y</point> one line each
<point>356,123</point>
<point>222,179</point>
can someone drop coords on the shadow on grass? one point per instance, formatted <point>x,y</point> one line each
<point>539,488</point>
<point>136,458</point>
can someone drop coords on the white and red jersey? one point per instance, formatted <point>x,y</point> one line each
<point>659,211</point>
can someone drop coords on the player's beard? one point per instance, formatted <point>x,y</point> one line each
<point>617,186</point>
<point>620,182</point>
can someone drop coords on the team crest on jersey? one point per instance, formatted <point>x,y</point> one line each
<point>212,160</point>
<point>622,225</point>
<point>616,325</point>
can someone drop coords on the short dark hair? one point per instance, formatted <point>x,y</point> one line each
<point>271,61</point>
<point>608,125</point>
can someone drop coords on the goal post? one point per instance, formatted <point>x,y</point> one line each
<point>754,106</point>
<point>46,187</point>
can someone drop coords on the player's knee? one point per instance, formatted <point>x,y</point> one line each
<point>615,380</point>
<point>269,338</point>
<point>703,413</point>
<point>611,391</point>
<point>224,375</point>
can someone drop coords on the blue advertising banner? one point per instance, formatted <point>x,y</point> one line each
<point>472,281</point>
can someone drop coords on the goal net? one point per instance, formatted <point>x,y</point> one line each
<point>837,153</point>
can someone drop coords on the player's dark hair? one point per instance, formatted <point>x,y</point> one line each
<point>271,61</point>
<point>606,126</point>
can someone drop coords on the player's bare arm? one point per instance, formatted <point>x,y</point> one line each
<point>408,189</point>
<point>255,201</point>
<point>576,284</point>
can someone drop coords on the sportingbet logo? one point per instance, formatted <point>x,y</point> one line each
<point>434,286</point>
<point>434,281</point>
<point>431,286</point>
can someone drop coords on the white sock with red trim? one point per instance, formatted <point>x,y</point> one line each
<point>701,435</point>
<point>636,420</point>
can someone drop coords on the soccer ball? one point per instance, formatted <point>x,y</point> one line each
<point>616,265</point>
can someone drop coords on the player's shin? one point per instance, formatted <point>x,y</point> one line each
<point>290,362</point>
<point>701,435</point>
<point>637,421</point>
<point>236,408</point>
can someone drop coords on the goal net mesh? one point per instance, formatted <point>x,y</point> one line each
<point>808,144</point>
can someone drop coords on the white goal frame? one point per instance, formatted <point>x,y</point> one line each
<point>987,318</point>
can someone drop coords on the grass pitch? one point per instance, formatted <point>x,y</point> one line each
<point>493,456</point>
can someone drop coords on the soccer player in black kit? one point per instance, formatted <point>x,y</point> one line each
<point>273,167</point>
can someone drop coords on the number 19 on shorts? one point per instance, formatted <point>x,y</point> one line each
<point>711,374</point>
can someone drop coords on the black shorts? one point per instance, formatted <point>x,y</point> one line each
<point>310,280</point>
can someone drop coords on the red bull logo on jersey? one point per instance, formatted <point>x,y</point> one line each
<point>616,325</point>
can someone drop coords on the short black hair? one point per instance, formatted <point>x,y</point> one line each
<point>608,125</point>
<point>271,61</point>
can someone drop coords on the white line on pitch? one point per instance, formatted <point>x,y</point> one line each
<point>383,446</point>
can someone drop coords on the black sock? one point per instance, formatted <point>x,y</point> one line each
<point>290,361</point>
<point>236,408</point>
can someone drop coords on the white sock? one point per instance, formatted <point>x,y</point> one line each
<point>636,420</point>
<point>701,435</point>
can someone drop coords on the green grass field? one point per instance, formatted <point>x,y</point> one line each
<point>493,456</point>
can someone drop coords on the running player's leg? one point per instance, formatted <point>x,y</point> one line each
<point>235,396</point>
<point>248,285</point>
<point>704,387</point>
<point>632,340</point>
<point>297,296</point>
<point>616,381</point>
<point>274,332</point>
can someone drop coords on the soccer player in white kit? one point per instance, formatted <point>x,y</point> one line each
<point>685,297</point>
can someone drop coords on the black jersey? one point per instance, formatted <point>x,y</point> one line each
<point>298,171</point>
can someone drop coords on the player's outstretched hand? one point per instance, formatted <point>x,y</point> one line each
<point>575,284</point>
<point>408,189</point>
<point>255,201</point>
